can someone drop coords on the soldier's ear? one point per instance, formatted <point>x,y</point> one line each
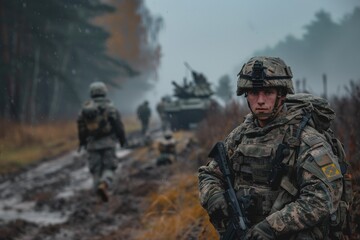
<point>282,100</point>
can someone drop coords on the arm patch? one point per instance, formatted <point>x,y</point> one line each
<point>323,164</point>
<point>331,172</point>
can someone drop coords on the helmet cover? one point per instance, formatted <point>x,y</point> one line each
<point>261,72</point>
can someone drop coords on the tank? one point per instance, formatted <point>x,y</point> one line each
<point>192,101</point>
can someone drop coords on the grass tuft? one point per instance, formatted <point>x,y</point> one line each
<point>175,213</point>
<point>22,144</point>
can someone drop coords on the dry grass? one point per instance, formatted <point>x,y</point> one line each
<point>219,124</point>
<point>175,212</point>
<point>131,123</point>
<point>21,144</point>
<point>17,135</point>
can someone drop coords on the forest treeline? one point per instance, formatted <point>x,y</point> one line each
<point>327,47</point>
<point>50,51</point>
<point>346,122</point>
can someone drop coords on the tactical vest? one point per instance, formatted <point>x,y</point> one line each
<point>167,146</point>
<point>253,160</point>
<point>251,163</point>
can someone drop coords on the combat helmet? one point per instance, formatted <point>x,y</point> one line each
<point>168,134</point>
<point>98,89</point>
<point>260,72</point>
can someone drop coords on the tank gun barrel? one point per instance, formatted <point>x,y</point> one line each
<point>198,77</point>
<point>194,73</point>
<point>176,85</point>
<point>188,67</point>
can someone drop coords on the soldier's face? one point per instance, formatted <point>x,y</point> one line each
<point>262,102</point>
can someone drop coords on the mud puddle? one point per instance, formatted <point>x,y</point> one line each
<point>43,195</point>
<point>54,200</point>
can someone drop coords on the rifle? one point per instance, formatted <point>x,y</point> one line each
<point>238,223</point>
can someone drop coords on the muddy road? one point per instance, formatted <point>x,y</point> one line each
<point>54,199</point>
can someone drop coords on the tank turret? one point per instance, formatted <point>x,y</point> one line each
<point>192,101</point>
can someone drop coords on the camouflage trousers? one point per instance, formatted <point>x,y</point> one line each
<point>102,165</point>
<point>144,125</point>
<point>165,124</point>
<point>165,158</point>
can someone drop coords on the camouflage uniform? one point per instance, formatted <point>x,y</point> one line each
<point>167,149</point>
<point>100,128</point>
<point>144,113</point>
<point>160,108</point>
<point>310,191</point>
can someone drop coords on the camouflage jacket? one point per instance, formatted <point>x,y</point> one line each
<point>308,194</point>
<point>105,130</point>
<point>167,146</point>
<point>143,112</point>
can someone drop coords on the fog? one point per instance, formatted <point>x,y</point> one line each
<point>52,50</point>
<point>217,38</point>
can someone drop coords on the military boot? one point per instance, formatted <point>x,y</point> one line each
<point>102,191</point>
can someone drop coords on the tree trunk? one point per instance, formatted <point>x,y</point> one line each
<point>54,107</point>
<point>5,54</point>
<point>34,85</point>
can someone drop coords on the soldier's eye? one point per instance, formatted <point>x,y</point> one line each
<point>269,92</point>
<point>253,93</point>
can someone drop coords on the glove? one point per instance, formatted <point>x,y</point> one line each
<point>217,206</point>
<point>261,231</point>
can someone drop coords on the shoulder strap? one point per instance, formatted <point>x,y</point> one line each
<point>293,142</point>
<point>305,119</point>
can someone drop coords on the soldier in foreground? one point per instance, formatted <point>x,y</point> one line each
<point>287,181</point>
<point>144,114</point>
<point>99,129</point>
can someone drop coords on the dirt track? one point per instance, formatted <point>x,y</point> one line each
<point>53,200</point>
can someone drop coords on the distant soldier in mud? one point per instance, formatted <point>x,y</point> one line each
<point>99,129</point>
<point>160,108</point>
<point>167,149</point>
<point>144,114</point>
<point>286,175</point>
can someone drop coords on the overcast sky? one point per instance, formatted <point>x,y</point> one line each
<point>215,37</point>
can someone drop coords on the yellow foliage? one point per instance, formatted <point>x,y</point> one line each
<point>131,123</point>
<point>218,125</point>
<point>21,144</point>
<point>15,135</point>
<point>175,212</point>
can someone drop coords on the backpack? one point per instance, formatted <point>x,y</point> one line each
<point>96,117</point>
<point>320,115</point>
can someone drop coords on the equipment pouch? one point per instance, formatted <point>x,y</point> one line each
<point>338,221</point>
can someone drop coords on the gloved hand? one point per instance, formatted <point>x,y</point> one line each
<point>217,206</point>
<point>261,231</point>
